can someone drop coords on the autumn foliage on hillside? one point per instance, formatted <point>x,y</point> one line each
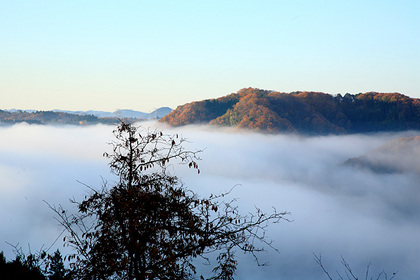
<point>201,112</point>
<point>303,112</point>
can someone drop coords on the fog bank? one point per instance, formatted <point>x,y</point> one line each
<point>336,210</point>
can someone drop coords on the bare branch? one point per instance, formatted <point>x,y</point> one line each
<point>318,260</point>
<point>348,271</point>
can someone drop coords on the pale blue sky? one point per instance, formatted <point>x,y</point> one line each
<point>106,55</point>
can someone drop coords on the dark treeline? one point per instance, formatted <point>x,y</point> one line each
<point>33,266</point>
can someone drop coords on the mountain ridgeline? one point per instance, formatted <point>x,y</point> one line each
<point>313,113</point>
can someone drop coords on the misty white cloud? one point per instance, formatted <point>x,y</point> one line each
<point>336,210</point>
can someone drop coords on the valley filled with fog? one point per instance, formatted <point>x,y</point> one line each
<point>336,210</point>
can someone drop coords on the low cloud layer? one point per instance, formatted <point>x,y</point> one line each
<point>336,210</point>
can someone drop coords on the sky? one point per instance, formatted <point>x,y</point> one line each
<point>142,55</point>
<point>336,210</point>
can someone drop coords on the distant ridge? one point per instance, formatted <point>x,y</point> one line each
<point>123,113</point>
<point>313,113</point>
<point>398,156</point>
<point>77,117</point>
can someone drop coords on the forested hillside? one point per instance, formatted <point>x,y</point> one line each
<point>303,112</point>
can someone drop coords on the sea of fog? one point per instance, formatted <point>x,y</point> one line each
<point>336,211</point>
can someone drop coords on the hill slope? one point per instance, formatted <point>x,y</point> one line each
<point>303,112</point>
<point>398,156</point>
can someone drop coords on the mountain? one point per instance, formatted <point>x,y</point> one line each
<point>123,113</point>
<point>159,113</point>
<point>313,113</point>
<point>398,156</point>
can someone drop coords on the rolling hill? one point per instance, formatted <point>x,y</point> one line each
<point>313,113</point>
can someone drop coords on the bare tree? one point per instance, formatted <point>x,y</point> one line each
<point>349,273</point>
<point>149,226</point>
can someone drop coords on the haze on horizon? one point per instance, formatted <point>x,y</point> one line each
<point>142,55</point>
